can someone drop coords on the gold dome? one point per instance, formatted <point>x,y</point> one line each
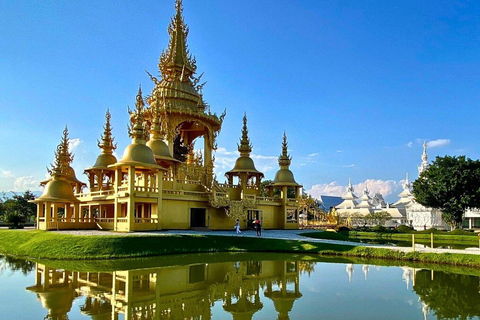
<point>139,155</point>
<point>284,177</point>
<point>71,178</point>
<point>244,164</point>
<point>160,150</point>
<point>104,160</point>
<point>58,300</point>
<point>58,189</point>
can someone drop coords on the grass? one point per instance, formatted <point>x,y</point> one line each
<point>41,245</point>
<point>444,238</point>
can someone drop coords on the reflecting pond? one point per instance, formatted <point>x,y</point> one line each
<point>235,286</point>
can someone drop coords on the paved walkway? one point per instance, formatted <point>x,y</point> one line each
<point>276,234</point>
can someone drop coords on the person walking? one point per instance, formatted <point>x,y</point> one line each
<point>258,228</point>
<point>237,226</point>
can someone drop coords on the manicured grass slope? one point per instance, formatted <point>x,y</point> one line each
<point>50,245</point>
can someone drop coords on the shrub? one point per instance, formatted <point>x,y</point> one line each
<point>341,228</point>
<point>15,220</point>
<point>460,232</point>
<point>380,229</point>
<point>431,230</point>
<point>404,229</point>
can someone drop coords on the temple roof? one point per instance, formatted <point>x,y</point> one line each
<point>244,163</point>
<point>137,153</point>
<point>58,187</point>
<point>106,157</point>
<point>179,90</point>
<point>284,177</point>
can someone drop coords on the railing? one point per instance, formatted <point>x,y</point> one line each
<point>52,225</point>
<point>186,193</point>
<point>173,192</point>
<point>231,186</point>
<point>252,188</point>
<point>271,199</point>
<point>195,193</point>
<point>249,196</point>
<point>123,189</point>
<point>146,189</point>
<point>292,221</point>
<point>105,220</point>
<point>221,194</point>
<point>122,220</point>
<point>146,220</point>
<point>96,193</point>
<point>195,182</point>
<point>292,200</point>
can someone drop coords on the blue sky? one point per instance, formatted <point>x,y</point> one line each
<point>357,85</point>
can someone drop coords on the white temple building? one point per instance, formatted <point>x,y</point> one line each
<point>419,217</point>
<point>405,210</point>
<point>350,207</point>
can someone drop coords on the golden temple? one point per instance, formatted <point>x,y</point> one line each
<point>161,182</point>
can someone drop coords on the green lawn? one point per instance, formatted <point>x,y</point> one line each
<point>40,245</point>
<point>446,238</point>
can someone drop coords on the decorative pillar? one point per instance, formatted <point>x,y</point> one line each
<point>131,198</point>
<point>117,206</point>
<point>159,197</point>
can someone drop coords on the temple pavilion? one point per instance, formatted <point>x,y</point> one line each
<point>160,182</point>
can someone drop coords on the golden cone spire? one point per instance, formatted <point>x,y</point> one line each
<point>107,144</point>
<point>284,160</point>
<point>176,61</point>
<point>245,147</point>
<point>157,128</point>
<point>63,157</point>
<point>137,132</point>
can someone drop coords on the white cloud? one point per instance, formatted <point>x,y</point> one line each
<point>326,189</point>
<point>313,154</point>
<point>348,166</point>
<point>410,144</point>
<point>438,143</point>
<point>26,183</point>
<point>6,174</point>
<point>339,151</point>
<point>384,187</point>
<point>73,144</point>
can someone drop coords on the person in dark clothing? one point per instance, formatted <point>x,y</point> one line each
<point>258,227</point>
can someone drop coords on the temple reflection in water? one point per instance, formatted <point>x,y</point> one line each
<point>177,292</point>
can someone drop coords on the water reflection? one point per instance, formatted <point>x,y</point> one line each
<point>14,264</point>
<point>448,295</point>
<point>244,288</point>
<point>177,292</point>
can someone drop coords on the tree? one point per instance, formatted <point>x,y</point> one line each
<point>18,204</point>
<point>451,184</point>
<point>378,217</point>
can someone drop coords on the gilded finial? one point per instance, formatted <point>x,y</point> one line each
<point>138,129</point>
<point>107,144</point>
<point>63,157</point>
<point>245,146</point>
<point>284,160</point>
<point>177,57</point>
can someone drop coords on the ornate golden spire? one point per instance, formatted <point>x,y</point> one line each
<point>63,157</point>
<point>245,147</point>
<point>107,144</point>
<point>176,60</point>
<point>157,130</point>
<point>284,160</point>
<point>137,132</point>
